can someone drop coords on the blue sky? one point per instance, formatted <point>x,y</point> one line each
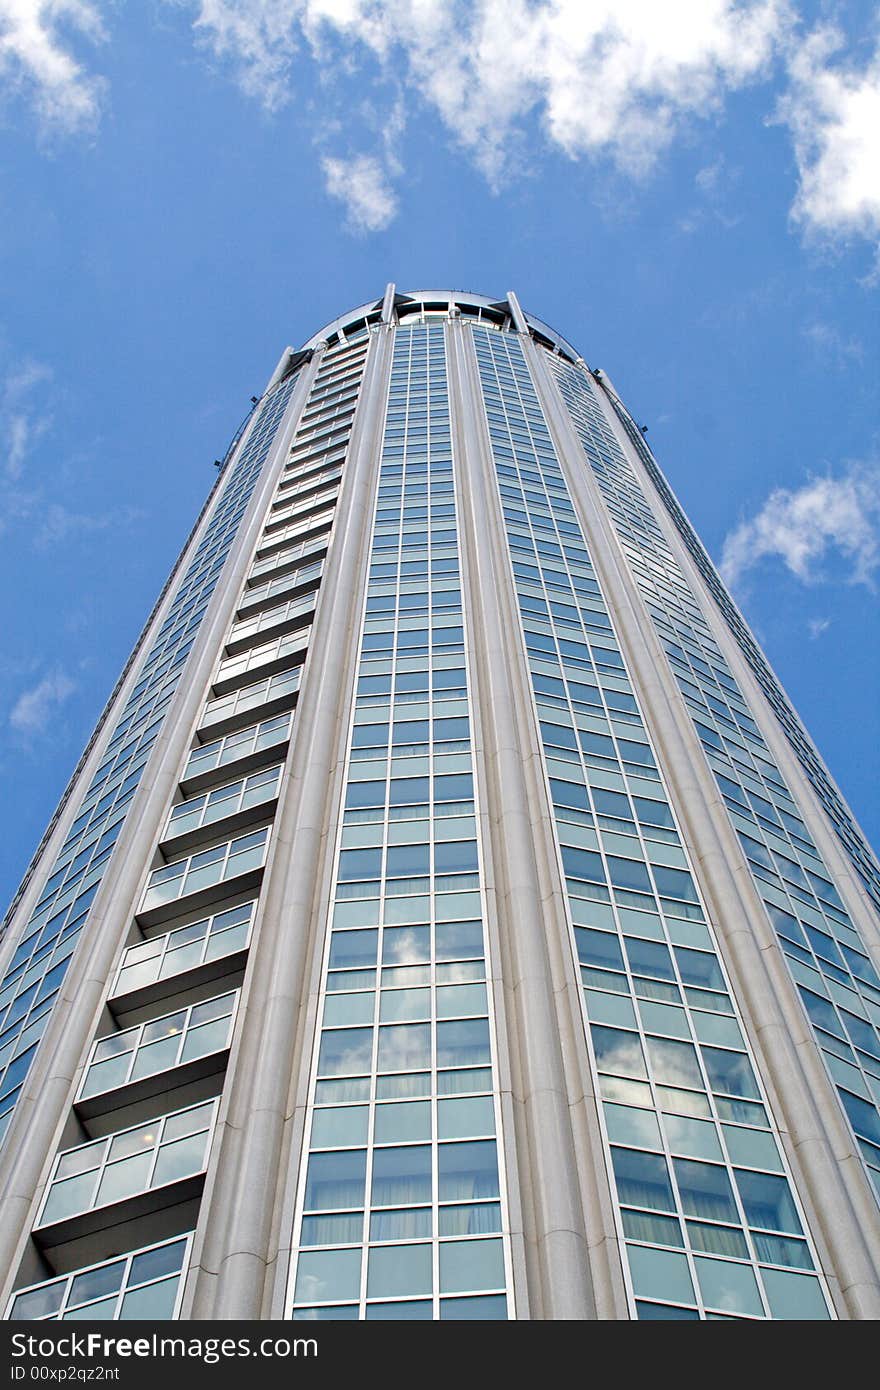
<point>690,192</point>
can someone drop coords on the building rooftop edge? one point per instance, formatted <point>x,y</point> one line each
<point>371,312</point>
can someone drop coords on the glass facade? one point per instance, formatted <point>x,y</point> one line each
<point>836,979</point>
<point>402,1211</point>
<point>708,1212</point>
<point>309,1062</point>
<point>37,969</point>
<point>860,855</point>
<point>193,922</point>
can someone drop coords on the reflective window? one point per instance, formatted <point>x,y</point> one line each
<point>822,948</point>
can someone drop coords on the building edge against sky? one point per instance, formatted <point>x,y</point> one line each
<point>450,917</point>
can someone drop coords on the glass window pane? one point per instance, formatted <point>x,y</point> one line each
<point>404,1047</point>
<point>96,1283</point>
<point>396,1124</point>
<point>38,1303</point>
<point>697,1138</point>
<point>660,1274</point>
<point>339,1229</point>
<point>628,1125</point>
<point>618,1052</point>
<point>642,1179</point>
<point>180,1159</point>
<point>489,1308</point>
<point>404,1310</point>
<point>152,1263</point>
<point>328,1274</point>
<point>124,1179</point>
<point>336,1180</point>
<point>463,1044</point>
<point>471,1265</point>
<point>754,1148</point>
<point>458,1119</point>
<point>705,1190</point>
<point>468,1171</point>
<point>729,1287</point>
<point>340,1126</point>
<point>402,1176</point>
<point>152,1302</point>
<point>101,1311</point>
<point>343,1313</point>
<point>767,1201</point>
<point>797,1296</point>
<point>399,1269</point>
<point>403,1223</point>
<point>345,1050</point>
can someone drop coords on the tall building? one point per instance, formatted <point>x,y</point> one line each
<point>450,916</point>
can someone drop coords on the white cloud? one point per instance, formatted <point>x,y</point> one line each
<point>21,425</point>
<point>806,526</point>
<point>834,115</point>
<point>816,626</point>
<point>613,78</point>
<point>259,38</point>
<point>34,708</point>
<point>27,506</point>
<point>58,523</point>
<point>35,57</point>
<point>831,346</point>
<point>362,186</point>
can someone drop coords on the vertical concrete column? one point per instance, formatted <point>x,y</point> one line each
<point>235,1270</point>
<point>828,1174</point>
<point>573,1267</point>
<point>388,302</point>
<point>44,1106</point>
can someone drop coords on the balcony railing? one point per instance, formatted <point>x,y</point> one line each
<point>159,1045</point>
<point>165,958</point>
<point>295,613</point>
<point>286,583</point>
<point>281,687</point>
<point>245,794</point>
<point>206,869</point>
<point>132,1163</point>
<point>143,1284</point>
<point>244,743</point>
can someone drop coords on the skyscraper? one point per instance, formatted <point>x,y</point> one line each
<point>449,917</point>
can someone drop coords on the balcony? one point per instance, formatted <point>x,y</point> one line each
<point>127,1180</point>
<point>291,508</point>
<point>268,696</point>
<point>268,659</point>
<point>278,620</point>
<point>231,806</point>
<point>306,530</point>
<point>282,561</point>
<point>205,877</point>
<point>245,750</point>
<point>291,584</point>
<point>183,959</point>
<point>157,1057</point>
<point>142,1284</point>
